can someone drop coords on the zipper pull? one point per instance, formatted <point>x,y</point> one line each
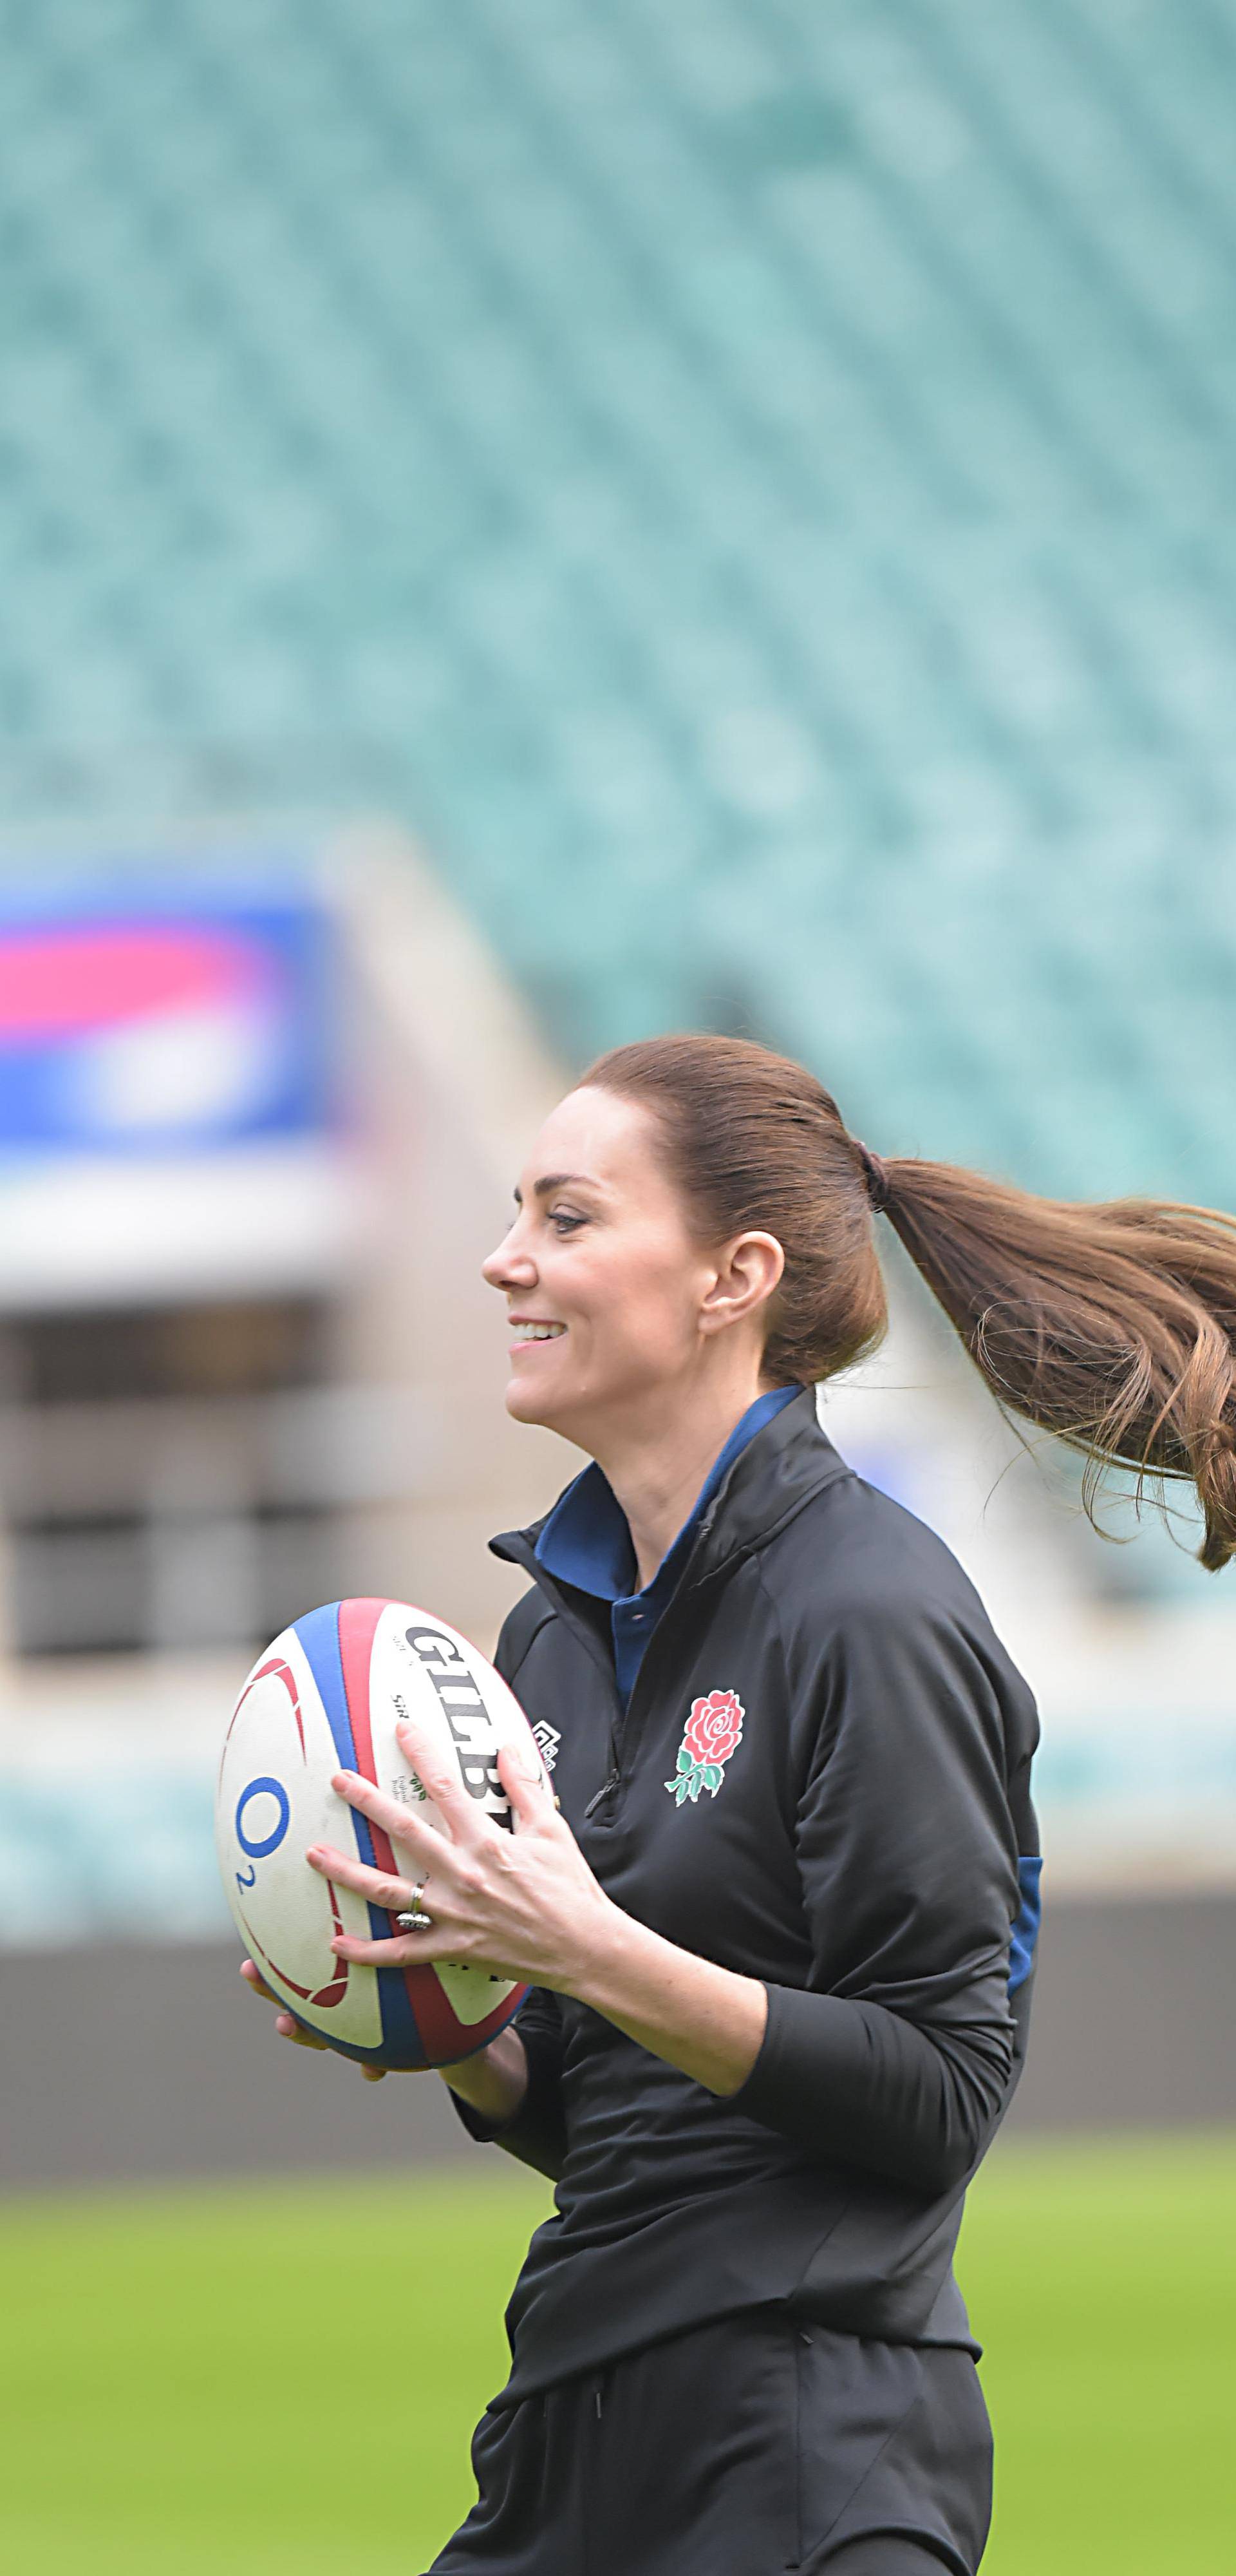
<point>606,1789</point>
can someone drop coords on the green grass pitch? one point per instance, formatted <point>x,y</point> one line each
<point>281,2381</point>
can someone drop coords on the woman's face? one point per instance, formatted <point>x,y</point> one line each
<point>606,1288</point>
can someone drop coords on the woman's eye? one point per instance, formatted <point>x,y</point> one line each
<point>564,1223</point>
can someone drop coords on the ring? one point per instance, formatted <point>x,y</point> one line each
<point>416,1919</point>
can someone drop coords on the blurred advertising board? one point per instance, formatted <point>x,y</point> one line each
<point>171,1121</point>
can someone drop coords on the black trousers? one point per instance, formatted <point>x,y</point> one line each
<point>751,2445</point>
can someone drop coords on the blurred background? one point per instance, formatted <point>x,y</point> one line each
<point>523,525</point>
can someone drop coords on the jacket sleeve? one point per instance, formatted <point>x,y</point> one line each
<point>897,2054</point>
<point>537,2133</point>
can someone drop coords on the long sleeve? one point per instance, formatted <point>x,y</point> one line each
<point>537,2133</point>
<point>898,2055</point>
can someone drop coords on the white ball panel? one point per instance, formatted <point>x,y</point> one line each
<point>284,1912</point>
<point>442,1682</point>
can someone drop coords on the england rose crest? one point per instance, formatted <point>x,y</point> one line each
<point>711,1732</point>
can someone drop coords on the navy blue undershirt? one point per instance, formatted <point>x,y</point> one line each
<point>586,1541</point>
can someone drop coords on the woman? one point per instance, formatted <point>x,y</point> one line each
<point>779,1922</point>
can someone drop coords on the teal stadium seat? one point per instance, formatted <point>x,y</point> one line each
<point>750,483</point>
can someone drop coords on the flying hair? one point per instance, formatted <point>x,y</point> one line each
<point>1110,1325</point>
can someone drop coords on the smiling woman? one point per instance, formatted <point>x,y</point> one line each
<point>630,1335</point>
<point>779,1919</point>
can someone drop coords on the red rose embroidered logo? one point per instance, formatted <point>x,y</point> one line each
<point>711,1732</point>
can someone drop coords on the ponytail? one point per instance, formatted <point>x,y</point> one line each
<point>1111,1326</point>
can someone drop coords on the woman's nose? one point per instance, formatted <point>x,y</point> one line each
<point>509,1263</point>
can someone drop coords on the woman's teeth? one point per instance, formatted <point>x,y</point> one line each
<point>537,1332</point>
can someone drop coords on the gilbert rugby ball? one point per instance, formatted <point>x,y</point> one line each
<point>324,1697</point>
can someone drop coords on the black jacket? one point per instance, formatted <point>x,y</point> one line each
<point>856,1849</point>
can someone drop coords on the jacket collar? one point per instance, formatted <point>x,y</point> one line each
<point>586,1541</point>
<point>783,1468</point>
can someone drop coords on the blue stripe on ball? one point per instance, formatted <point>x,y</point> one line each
<point>318,1632</point>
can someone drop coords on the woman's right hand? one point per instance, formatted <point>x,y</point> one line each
<point>289,2028</point>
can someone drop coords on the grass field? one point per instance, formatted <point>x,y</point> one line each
<point>280,2382</point>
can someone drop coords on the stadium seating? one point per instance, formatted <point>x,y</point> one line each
<point>750,483</point>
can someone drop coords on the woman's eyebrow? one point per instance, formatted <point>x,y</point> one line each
<point>551,1181</point>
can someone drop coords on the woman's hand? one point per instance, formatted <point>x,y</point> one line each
<point>522,1904</point>
<point>527,1905</point>
<point>287,2025</point>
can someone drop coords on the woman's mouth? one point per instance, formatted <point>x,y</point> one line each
<point>525,1332</point>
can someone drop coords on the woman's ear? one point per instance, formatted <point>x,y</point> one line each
<point>747,1273</point>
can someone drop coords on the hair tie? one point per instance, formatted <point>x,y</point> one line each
<point>875,1174</point>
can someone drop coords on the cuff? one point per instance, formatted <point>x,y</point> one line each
<point>536,2132</point>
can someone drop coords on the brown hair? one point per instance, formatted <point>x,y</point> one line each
<point>1111,1326</point>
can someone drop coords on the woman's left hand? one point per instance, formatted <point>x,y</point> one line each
<point>523,1903</point>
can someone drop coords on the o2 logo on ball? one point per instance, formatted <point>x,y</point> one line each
<point>259,1847</point>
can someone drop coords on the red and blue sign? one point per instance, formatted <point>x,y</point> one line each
<point>186,1021</point>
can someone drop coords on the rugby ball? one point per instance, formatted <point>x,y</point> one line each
<point>326,1696</point>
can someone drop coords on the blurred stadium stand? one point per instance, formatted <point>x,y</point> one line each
<point>771,464</point>
<point>749,487</point>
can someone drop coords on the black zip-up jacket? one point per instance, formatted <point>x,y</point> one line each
<point>858,1853</point>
